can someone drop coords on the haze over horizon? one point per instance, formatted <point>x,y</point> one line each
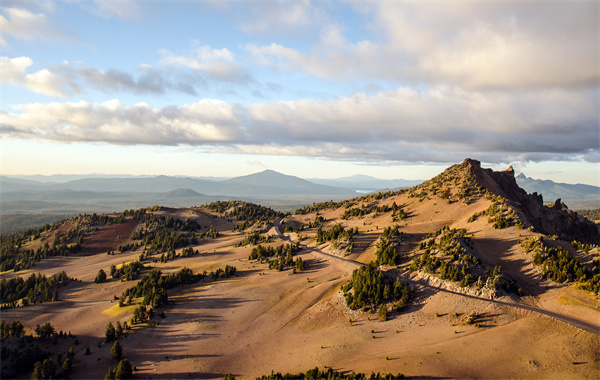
<point>310,89</point>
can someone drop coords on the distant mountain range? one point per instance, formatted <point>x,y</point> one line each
<point>365,183</point>
<point>552,191</point>
<point>267,184</point>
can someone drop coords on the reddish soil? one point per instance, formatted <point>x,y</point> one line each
<point>109,237</point>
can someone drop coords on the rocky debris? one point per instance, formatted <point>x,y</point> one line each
<point>488,291</point>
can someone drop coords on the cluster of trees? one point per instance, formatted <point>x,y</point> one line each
<point>227,272</point>
<point>12,257</point>
<point>331,205</point>
<point>124,370</point>
<point>337,232</point>
<point>397,213</point>
<point>129,271</point>
<point>115,331</point>
<point>387,253</point>
<point>13,328</point>
<point>581,246</point>
<point>159,234</point>
<point>330,374</point>
<point>592,214</point>
<point>16,259</point>
<point>559,265</point>
<point>153,286</point>
<point>252,214</point>
<point>36,289</point>
<point>253,239</point>
<point>26,356</point>
<point>446,256</point>
<point>500,214</point>
<point>280,257</point>
<point>315,223</point>
<point>371,288</point>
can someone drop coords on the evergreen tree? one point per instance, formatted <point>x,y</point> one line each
<point>110,374</point>
<point>100,277</point>
<point>117,351</point>
<point>110,332</point>
<point>118,329</point>
<point>383,315</point>
<point>124,370</point>
<point>37,372</point>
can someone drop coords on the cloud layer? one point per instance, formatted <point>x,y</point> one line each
<point>438,125</point>
<point>498,81</point>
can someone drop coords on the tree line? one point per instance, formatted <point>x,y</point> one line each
<point>35,289</point>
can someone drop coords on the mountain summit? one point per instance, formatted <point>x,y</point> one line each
<point>555,219</point>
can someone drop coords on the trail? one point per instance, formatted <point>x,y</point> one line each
<point>583,325</point>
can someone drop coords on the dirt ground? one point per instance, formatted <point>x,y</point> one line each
<point>263,320</point>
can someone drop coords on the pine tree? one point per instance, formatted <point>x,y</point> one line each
<point>117,351</point>
<point>110,332</point>
<point>124,370</point>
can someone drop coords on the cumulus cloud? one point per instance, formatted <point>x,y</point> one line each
<point>66,80</point>
<point>440,125</point>
<point>24,25</point>
<point>470,45</point>
<point>204,122</point>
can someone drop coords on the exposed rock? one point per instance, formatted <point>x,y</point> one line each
<point>556,219</point>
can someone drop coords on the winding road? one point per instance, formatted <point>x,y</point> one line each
<point>583,325</point>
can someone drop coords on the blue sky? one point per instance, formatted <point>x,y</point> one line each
<point>313,89</point>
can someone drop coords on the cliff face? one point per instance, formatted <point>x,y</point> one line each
<point>550,220</point>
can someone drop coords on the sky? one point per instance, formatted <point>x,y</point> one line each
<point>316,89</point>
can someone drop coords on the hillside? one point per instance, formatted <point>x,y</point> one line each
<point>412,281</point>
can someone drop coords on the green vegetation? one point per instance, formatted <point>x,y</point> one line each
<point>338,236</point>
<point>250,213</point>
<point>13,256</point>
<point>331,205</point>
<point>36,289</point>
<point>253,239</point>
<point>592,214</point>
<point>500,214</point>
<point>123,371</point>
<point>360,212</point>
<point>559,266</point>
<point>387,253</point>
<point>128,271</point>
<point>154,285</point>
<point>454,184</point>
<point>330,374</point>
<point>446,255</point>
<point>371,288</point>
<point>21,354</point>
<point>282,256</point>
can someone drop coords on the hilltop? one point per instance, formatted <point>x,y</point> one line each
<point>413,281</point>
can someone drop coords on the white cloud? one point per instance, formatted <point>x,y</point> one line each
<point>14,71</point>
<point>279,17</point>
<point>204,122</point>
<point>441,125</point>
<point>472,45</point>
<point>24,25</point>
<point>215,64</point>
<point>66,80</point>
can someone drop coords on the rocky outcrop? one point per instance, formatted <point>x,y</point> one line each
<point>555,219</point>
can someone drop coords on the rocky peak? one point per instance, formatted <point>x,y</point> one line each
<point>556,219</point>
